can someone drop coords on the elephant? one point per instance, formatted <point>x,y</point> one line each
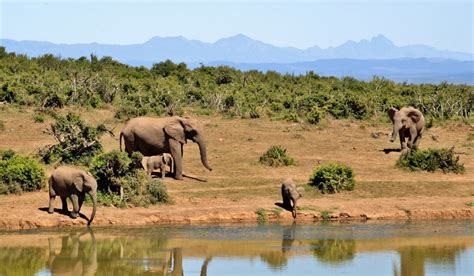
<point>155,162</point>
<point>290,194</point>
<point>73,183</point>
<point>154,136</point>
<point>408,122</point>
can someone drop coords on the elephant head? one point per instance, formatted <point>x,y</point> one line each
<point>405,118</point>
<point>84,182</point>
<point>182,130</point>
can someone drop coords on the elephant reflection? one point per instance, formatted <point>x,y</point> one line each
<point>176,264</point>
<point>278,259</point>
<point>413,259</point>
<point>76,257</point>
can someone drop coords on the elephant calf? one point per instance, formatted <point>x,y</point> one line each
<point>408,122</point>
<point>290,194</point>
<point>73,183</point>
<point>156,162</point>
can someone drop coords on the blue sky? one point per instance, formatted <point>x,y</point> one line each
<point>442,24</point>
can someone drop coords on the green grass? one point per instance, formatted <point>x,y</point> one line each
<point>261,215</point>
<point>470,204</point>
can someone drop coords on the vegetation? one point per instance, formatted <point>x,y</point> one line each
<point>48,82</point>
<point>332,178</point>
<point>276,156</point>
<point>261,215</point>
<point>19,174</point>
<point>431,160</point>
<point>115,171</point>
<point>76,142</point>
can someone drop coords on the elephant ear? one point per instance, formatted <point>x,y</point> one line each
<point>78,182</point>
<point>176,131</point>
<point>391,113</point>
<point>414,115</point>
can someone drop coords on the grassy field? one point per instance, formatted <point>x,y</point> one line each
<point>238,183</point>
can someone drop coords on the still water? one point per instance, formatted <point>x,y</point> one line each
<point>412,248</point>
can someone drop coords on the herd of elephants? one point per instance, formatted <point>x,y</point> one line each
<point>161,141</point>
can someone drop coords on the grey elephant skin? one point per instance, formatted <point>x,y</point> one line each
<point>408,123</point>
<point>155,136</point>
<point>73,183</point>
<point>153,163</point>
<point>290,194</point>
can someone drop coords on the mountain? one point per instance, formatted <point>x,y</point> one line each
<point>363,59</point>
<point>410,70</point>
<point>237,49</point>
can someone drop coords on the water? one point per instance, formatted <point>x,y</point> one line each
<point>421,248</point>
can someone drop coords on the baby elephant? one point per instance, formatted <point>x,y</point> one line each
<point>156,162</point>
<point>73,183</point>
<point>290,194</point>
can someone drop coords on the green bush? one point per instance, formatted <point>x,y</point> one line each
<point>431,160</point>
<point>276,156</point>
<point>332,178</point>
<point>18,173</point>
<point>76,142</point>
<point>115,170</point>
<point>38,118</point>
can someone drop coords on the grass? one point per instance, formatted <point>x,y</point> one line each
<point>469,204</point>
<point>261,215</point>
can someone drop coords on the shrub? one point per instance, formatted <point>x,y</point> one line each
<point>332,178</point>
<point>115,170</point>
<point>431,160</point>
<point>276,156</point>
<point>18,173</point>
<point>38,118</point>
<point>76,143</point>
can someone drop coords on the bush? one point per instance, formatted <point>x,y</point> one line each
<point>115,170</point>
<point>276,156</point>
<point>18,173</point>
<point>332,178</point>
<point>76,143</point>
<point>431,160</point>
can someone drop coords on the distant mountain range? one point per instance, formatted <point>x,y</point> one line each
<point>377,56</point>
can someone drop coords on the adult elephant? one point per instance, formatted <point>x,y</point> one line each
<point>408,122</point>
<point>154,136</point>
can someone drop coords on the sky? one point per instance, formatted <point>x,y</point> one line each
<point>442,24</point>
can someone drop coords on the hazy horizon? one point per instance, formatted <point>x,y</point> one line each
<point>303,24</point>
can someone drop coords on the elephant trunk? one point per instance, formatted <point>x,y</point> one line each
<point>202,151</point>
<point>93,195</point>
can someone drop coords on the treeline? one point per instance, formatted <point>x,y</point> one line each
<point>48,82</point>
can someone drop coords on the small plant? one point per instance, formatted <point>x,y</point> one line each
<point>18,173</point>
<point>2,125</point>
<point>431,160</point>
<point>38,118</point>
<point>276,156</point>
<point>261,215</point>
<point>76,142</point>
<point>470,135</point>
<point>332,178</point>
<point>469,204</point>
<point>325,214</point>
<point>156,192</point>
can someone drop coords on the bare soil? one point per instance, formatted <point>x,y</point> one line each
<point>238,186</point>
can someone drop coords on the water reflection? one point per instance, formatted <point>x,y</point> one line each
<point>180,251</point>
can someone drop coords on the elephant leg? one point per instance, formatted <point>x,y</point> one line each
<point>403,143</point>
<point>417,141</point>
<point>51,204</point>
<point>64,202</point>
<point>81,200</point>
<point>75,206</point>
<point>177,154</point>
<point>163,170</point>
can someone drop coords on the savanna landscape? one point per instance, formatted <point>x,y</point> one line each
<point>317,120</point>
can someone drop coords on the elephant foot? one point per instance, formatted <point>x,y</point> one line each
<point>50,211</point>
<point>74,215</point>
<point>180,177</point>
